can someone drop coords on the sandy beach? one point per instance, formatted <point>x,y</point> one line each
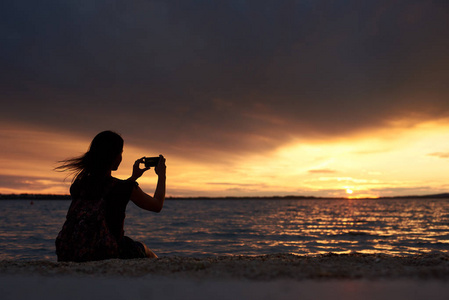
<point>277,276</point>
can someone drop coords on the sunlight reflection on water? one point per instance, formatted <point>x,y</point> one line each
<point>247,227</point>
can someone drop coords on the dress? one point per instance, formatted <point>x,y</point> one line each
<point>105,207</point>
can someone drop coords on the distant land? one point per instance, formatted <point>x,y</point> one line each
<point>290,197</point>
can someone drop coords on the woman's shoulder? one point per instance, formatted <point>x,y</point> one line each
<point>123,183</point>
<point>75,187</point>
<point>121,189</point>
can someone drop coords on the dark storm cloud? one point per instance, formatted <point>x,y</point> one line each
<point>223,75</point>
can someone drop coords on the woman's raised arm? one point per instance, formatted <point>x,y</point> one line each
<point>145,201</point>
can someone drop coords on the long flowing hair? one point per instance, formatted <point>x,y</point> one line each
<point>97,161</point>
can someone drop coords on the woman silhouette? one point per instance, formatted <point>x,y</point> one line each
<point>93,229</point>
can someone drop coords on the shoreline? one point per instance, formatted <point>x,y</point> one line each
<point>255,268</point>
<point>30,196</point>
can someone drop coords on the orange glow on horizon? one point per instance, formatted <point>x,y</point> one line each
<point>359,167</point>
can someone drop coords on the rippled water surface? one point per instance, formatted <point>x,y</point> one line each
<point>247,227</point>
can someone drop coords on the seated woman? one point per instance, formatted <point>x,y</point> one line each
<point>93,229</point>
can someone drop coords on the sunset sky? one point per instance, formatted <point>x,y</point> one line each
<point>243,98</point>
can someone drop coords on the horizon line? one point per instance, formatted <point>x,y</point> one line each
<point>40,196</point>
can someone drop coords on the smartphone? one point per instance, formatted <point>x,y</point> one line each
<point>151,161</point>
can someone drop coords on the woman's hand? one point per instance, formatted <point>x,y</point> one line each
<point>137,171</point>
<point>160,169</point>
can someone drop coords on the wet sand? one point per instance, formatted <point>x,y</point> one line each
<point>262,268</point>
<point>279,276</point>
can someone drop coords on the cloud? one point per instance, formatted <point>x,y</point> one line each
<point>321,171</point>
<point>30,184</point>
<point>223,78</point>
<point>440,154</point>
<point>237,184</point>
<point>411,190</point>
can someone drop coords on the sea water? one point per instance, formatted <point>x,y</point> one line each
<point>246,227</point>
